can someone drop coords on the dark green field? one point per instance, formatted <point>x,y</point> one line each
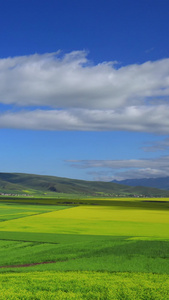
<point>84,253</point>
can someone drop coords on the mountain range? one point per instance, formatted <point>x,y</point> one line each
<point>160,183</point>
<point>31,184</point>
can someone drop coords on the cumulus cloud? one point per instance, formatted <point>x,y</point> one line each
<point>124,169</point>
<point>68,92</point>
<point>71,81</point>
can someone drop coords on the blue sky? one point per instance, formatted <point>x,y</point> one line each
<point>84,88</point>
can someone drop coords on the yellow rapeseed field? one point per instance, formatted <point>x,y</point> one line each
<point>95,220</point>
<point>84,285</point>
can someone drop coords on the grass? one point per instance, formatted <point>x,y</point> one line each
<point>88,238</point>
<point>137,203</point>
<point>96,252</point>
<point>13,211</point>
<point>83,254</point>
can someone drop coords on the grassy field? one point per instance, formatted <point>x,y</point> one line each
<point>117,251</point>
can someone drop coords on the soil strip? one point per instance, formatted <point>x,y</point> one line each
<point>30,265</point>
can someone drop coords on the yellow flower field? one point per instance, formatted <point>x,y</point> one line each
<point>84,285</point>
<point>93,220</point>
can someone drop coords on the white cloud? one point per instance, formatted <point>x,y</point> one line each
<point>83,96</point>
<point>157,146</point>
<point>121,164</point>
<point>140,119</point>
<point>124,169</point>
<point>141,173</point>
<point>71,81</point>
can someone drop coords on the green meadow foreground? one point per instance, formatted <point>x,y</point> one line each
<point>117,251</point>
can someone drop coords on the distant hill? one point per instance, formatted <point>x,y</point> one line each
<point>160,183</point>
<point>18,183</point>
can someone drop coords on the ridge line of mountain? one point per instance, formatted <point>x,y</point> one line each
<point>158,182</point>
<point>32,184</point>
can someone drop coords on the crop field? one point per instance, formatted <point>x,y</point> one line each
<point>116,251</point>
<point>84,285</point>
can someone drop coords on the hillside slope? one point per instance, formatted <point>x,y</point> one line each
<point>39,184</point>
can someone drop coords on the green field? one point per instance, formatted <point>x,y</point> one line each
<point>119,250</point>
